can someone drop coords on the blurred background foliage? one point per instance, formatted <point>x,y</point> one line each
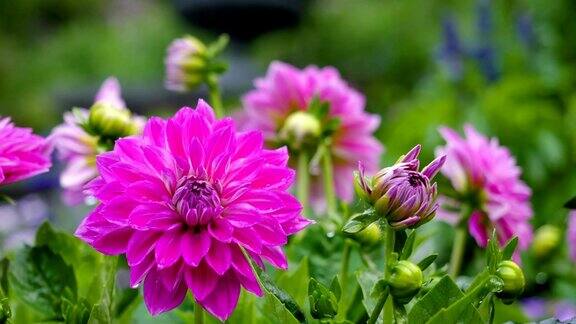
<point>508,67</point>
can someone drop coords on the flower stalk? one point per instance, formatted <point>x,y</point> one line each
<point>215,96</point>
<point>303,181</point>
<point>328,175</point>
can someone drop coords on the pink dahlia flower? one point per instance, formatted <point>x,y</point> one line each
<point>77,148</point>
<point>22,153</point>
<point>187,202</point>
<point>571,235</point>
<point>287,91</point>
<point>485,175</point>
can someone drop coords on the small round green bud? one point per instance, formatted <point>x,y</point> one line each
<point>405,281</point>
<point>111,122</point>
<point>369,236</point>
<point>301,129</point>
<point>546,240</point>
<point>513,279</point>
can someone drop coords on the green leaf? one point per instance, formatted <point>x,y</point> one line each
<point>367,280</point>
<point>6,199</point>
<point>40,279</point>
<point>4,276</point>
<point>75,312</point>
<point>100,314</point>
<point>494,255</point>
<point>295,283</point>
<point>360,221</point>
<point>323,302</point>
<point>442,295</point>
<point>218,45</point>
<point>335,287</point>
<point>245,312</point>
<point>86,261</point>
<point>459,312</point>
<point>427,261</point>
<point>379,288</point>
<point>408,246</point>
<point>509,249</point>
<point>124,301</point>
<point>274,295</point>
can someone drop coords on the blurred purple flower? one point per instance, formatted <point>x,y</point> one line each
<point>565,310</point>
<point>535,307</point>
<point>525,30</point>
<point>191,202</point>
<point>20,221</point>
<point>485,176</point>
<point>286,91</point>
<point>451,52</point>
<point>22,153</point>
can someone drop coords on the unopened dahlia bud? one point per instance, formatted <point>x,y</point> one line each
<point>301,129</point>
<point>513,279</point>
<point>109,121</point>
<point>323,303</point>
<point>546,240</point>
<point>405,281</point>
<point>185,64</point>
<point>369,236</point>
<point>402,194</point>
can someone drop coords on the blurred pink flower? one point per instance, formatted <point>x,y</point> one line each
<point>571,234</point>
<point>185,200</point>
<point>78,149</point>
<point>286,90</point>
<point>485,174</point>
<point>22,153</point>
<point>184,64</point>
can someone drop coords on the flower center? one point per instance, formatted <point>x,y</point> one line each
<point>197,201</point>
<point>416,179</point>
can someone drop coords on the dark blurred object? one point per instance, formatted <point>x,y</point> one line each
<point>241,19</point>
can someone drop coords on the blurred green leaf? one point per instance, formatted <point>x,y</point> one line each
<point>367,280</point>
<point>408,246</point>
<point>427,261</point>
<point>509,249</point>
<point>40,278</point>
<point>360,221</point>
<point>442,295</point>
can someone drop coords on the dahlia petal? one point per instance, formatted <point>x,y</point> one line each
<point>166,254</point>
<point>153,216</point>
<point>248,238</point>
<point>274,178</point>
<point>477,229</point>
<point>242,216</point>
<point>221,229</point>
<point>141,244</point>
<point>194,247</point>
<point>251,284</point>
<point>219,257</point>
<point>157,298</point>
<point>275,256</point>
<point>140,270</point>
<point>113,243</point>
<point>248,143</point>
<point>201,280</point>
<point>224,297</point>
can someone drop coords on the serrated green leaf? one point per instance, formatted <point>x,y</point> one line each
<point>427,261</point>
<point>509,249</point>
<point>442,295</point>
<point>408,246</point>
<point>40,278</point>
<point>100,314</point>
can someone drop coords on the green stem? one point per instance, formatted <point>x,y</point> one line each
<point>303,181</point>
<point>378,308</point>
<point>492,310</point>
<point>457,251</point>
<point>215,97</point>
<point>198,314</point>
<point>345,264</point>
<point>328,175</point>
<point>389,249</point>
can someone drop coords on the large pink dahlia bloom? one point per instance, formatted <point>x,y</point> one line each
<point>485,175</point>
<point>78,149</point>
<point>22,153</point>
<point>185,200</point>
<point>287,90</point>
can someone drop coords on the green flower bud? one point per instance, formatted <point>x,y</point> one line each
<point>300,130</point>
<point>110,122</point>
<point>546,240</point>
<point>405,281</point>
<point>323,303</point>
<point>513,279</point>
<point>369,236</point>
